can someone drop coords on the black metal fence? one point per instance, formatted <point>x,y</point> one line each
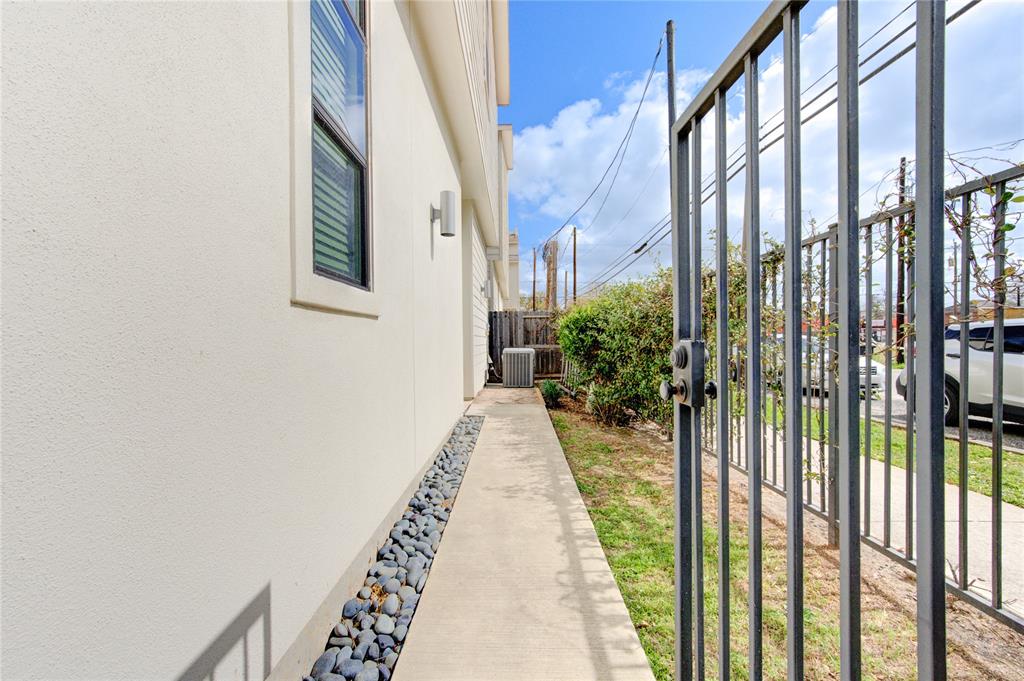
<point>801,403</point>
<point>887,341</point>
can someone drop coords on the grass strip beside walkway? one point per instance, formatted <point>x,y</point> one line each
<point>979,457</point>
<point>626,482</point>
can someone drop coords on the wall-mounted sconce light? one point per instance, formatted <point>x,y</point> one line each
<point>446,213</point>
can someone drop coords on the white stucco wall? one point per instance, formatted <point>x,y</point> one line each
<point>179,439</point>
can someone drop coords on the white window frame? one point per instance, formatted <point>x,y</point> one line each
<point>310,289</point>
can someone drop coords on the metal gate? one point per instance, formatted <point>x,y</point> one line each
<point>690,391</point>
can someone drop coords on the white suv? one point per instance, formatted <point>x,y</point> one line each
<point>980,373</point>
<point>871,372</point>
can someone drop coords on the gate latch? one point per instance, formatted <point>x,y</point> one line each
<point>688,357</point>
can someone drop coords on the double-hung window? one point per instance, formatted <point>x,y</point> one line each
<point>341,248</point>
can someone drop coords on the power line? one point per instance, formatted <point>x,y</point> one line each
<point>624,143</point>
<point>737,149</point>
<point>646,246</point>
<point>834,67</point>
<point>636,248</point>
<point>636,245</point>
<point>629,136</point>
<point>736,169</point>
<point>740,147</point>
<point>643,190</point>
<point>1006,146</point>
<point>778,58</point>
<point>889,62</point>
<point>638,254</point>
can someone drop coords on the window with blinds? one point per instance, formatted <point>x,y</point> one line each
<point>338,57</point>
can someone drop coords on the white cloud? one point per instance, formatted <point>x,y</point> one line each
<point>558,164</point>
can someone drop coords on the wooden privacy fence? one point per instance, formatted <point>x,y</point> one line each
<point>525,329</point>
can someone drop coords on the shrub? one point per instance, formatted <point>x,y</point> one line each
<point>620,341</point>
<point>604,404</point>
<point>551,392</point>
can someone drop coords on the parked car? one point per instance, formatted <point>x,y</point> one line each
<point>871,372</point>
<point>980,372</point>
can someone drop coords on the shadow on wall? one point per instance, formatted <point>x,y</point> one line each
<point>230,653</point>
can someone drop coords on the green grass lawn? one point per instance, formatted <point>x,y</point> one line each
<point>979,457</point>
<point>625,480</point>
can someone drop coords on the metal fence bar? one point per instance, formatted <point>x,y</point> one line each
<point>740,436</point>
<point>868,383</point>
<point>683,414</point>
<point>753,377</point>
<point>887,476</point>
<point>775,380</point>
<point>764,381</point>
<point>822,466</point>
<point>722,342</point>
<point>906,208</point>
<point>964,314</point>
<point>908,363</point>
<point>998,339</point>
<point>849,322</point>
<point>959,584</point>
<point>756,40</point>
<point>792,309</point>
<point>833,394</point>
<point>930,284</point>
<point>697,269</point>
<point>806,358</point>
<point>737,387</point>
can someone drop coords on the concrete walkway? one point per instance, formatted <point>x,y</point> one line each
<point>520,588</point>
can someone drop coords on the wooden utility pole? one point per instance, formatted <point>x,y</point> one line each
<point>551,288</point>
<point>573,265</point>
<point>534,278</point>
<point>565,291</point>
<point>901,252</point>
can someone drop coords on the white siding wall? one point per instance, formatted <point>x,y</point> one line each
<point>474,18</point>
<point>480,309</point>
<point>184,440</point>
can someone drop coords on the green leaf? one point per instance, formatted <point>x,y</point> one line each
<point>1018,199</point>
<point>989,190</point>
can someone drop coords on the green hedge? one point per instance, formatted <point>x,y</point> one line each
<point>620,341</point>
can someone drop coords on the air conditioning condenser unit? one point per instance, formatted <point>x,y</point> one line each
<point>517,367</point>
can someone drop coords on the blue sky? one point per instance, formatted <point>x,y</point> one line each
<point>564,51</point>
<point>578,70</point>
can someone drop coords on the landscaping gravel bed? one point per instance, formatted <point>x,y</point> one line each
<point>365,644</point>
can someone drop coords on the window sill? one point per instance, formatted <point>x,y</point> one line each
<point>321,293</point>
